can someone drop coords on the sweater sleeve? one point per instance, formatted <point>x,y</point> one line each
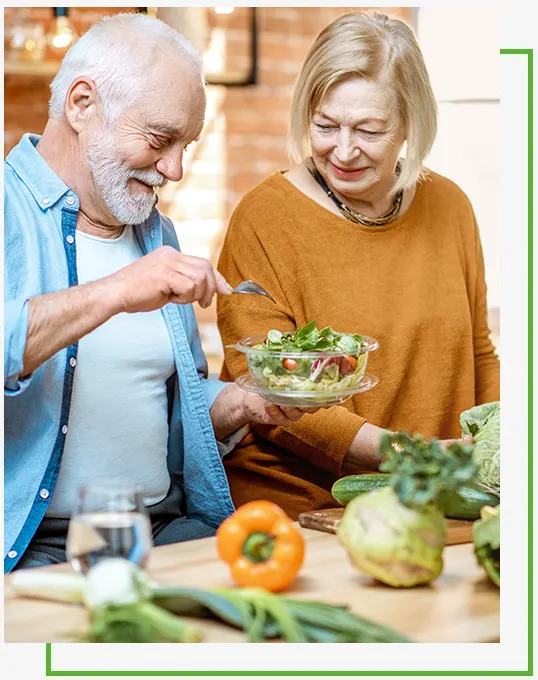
<point>322,438</point>
<point>487,366</point>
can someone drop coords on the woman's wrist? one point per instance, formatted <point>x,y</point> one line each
<point>363,453</point>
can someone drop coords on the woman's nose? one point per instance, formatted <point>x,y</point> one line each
<point>345,147</point>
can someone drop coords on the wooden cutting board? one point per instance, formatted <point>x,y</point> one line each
<point>458,530</point>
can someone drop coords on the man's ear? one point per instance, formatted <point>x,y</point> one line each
<point>81,103</point>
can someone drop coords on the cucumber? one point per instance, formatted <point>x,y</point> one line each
<point>465,503</point>
<point>346,488</point>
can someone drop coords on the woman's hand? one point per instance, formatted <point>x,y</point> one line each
<point>445,443</point>
<point>363,453</point>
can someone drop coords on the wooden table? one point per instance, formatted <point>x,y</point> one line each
<point>460,606</point>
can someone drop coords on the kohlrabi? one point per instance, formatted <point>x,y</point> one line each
<point>397,534</point>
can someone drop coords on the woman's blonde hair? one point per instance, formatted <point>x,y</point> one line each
<point>373,46</point>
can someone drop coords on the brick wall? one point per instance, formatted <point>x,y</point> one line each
<point>253,120</point>
<point>246,127</point>
<point>257,118</point>
<point>26,97</point>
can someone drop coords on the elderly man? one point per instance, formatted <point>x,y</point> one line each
<point>104,372</point>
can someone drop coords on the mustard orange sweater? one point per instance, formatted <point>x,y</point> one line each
<point>416,285</point>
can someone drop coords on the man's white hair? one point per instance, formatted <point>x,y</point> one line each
<point>118,54</point>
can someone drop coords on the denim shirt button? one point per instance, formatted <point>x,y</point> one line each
<point>73,362</point>
<point>64,429</point>
<point>153,233</point>
<point>46,201</point>
<point>44,493</point>
<point>70,200</point>
<point>69,239</point>
<point>12,554</point>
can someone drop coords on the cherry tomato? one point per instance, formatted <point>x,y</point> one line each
<point>348,365</point>
<point>289,364</point>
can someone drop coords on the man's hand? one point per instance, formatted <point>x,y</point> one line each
<point>256,409</point>
<point>235,407</point>
<point>56,320</point>
<point>163,276</point>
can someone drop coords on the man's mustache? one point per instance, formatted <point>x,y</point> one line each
<point>151,177</point>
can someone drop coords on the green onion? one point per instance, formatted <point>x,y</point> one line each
<point>263,615</point>
<point>125,607</point>
<point>139,622</point>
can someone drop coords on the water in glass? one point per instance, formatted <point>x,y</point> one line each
<point>109,520</point>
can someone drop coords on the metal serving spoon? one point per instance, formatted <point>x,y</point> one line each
<point>251,288</point>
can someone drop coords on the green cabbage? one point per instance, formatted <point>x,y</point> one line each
<point>484,424</point>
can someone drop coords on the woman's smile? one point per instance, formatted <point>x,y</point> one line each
<point>347,173</point>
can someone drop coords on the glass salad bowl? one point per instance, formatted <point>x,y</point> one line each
<point>310,368</point>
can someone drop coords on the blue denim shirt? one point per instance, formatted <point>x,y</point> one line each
<point>40,214</point>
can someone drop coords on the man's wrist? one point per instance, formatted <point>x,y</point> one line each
<point>228,412</point>
<point>110,289</point>
<point>239,415</point>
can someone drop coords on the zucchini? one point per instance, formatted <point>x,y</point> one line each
<point>346,488</point>
<point>465,503</point>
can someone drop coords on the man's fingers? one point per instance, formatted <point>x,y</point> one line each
<point>211,287</point>
<point>223,287</point>
<point>292,413</point>
<point>183,289</point>
<point>261,411</point>
<point>281,415</point>
<point>200,271</point>
<point>273,415</point>
<point>206,278</point>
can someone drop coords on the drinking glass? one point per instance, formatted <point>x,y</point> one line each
<point>109,520</point>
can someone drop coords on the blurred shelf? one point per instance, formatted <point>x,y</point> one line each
<point>48,69</point>
<point>31,68</point>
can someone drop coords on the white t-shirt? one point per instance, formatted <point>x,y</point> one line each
<point>118,422</point>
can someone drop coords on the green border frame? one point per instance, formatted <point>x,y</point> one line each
<point>529,671</point>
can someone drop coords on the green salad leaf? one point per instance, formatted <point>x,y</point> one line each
<point>308,374</point>
<point>309,338</point>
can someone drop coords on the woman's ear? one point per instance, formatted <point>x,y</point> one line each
<point>81,103</point>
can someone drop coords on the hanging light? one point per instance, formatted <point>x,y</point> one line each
<point>223,10</point>
<point>62,34</point>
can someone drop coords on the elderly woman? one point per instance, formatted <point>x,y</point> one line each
<point>359,239</point>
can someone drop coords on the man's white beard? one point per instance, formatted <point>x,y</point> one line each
<point>111,176</point>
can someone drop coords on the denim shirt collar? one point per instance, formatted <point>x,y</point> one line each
<point>47,188</point>
<point>42,182</point>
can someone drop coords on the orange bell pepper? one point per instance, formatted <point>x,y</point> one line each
<point>261,545</point>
